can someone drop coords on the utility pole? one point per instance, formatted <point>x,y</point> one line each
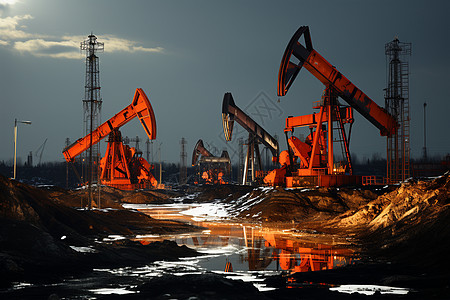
<point>425,156</point>
<point>160,164</point>
<point>240,158</point>
<point>183,156</point>
<point>67,165</point>
<point>15,144</point>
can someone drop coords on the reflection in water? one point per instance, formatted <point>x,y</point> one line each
<point>299,256</point>
<point>238,251</point>
<point>238,247</point>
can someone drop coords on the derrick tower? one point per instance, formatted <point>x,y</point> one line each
<point>397,104</point>
<point>92,104</point>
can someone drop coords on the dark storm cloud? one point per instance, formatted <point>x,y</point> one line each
<point>187,54</point>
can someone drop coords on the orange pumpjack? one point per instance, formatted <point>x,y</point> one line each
<point>122,166</point>
<point>317,166</point>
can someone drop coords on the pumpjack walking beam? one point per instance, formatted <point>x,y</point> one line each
<point>140,107</point>
<point>324,71</point>
<point>200,149</point>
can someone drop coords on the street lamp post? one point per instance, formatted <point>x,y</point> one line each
<point>425,131</point>
<point>15,143</point>
<point>160,164</point>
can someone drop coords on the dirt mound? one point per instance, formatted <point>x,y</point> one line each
<point>142,197</point>
<point>110,197</point>
<point>38,233</point>
<point>298,205</point>
<point>408,225</point>
<point>209,193</point>
<point>412,202</point>
<point>48,210</point>
<point>198,286</point>
<point>412,228</point>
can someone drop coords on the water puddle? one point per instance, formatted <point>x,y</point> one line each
<point>370,290</point>
<point>238,251</point>
<point>246,251</point>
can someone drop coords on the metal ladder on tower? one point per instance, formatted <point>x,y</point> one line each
<point>406,127</point>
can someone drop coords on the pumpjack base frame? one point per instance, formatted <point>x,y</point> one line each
<point>130,186</point>
<point>323,181</point>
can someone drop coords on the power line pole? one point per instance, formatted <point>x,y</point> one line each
<point>67,165</point>
<point>183,156</point>
<point>425,155</point>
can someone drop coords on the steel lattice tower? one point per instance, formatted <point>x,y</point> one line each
<point>397,104</point>
<point>92,104</point>
<point>183,162</point>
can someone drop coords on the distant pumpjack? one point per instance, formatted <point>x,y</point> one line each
<point>317,166</point>
<point>256,135</point>
<point>213,169</point>
<point>122,166</point>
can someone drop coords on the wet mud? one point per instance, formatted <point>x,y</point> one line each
<point>50,247</point>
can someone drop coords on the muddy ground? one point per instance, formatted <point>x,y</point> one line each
<point>403,232</point>
<point>39,226</point>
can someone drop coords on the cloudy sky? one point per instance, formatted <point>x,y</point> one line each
<point>187,54</point>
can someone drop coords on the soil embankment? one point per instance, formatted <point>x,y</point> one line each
<point>409,225</point>
<point>402,230</point>
<point>42,236</point>
<point>301,206</point>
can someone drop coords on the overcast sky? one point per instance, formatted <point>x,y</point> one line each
<point>187,54</point>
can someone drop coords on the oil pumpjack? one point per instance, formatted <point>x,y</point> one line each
<point>213,169</point>
<point>256,135</point>
<point>122,166</point>
<point>316,164</point>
